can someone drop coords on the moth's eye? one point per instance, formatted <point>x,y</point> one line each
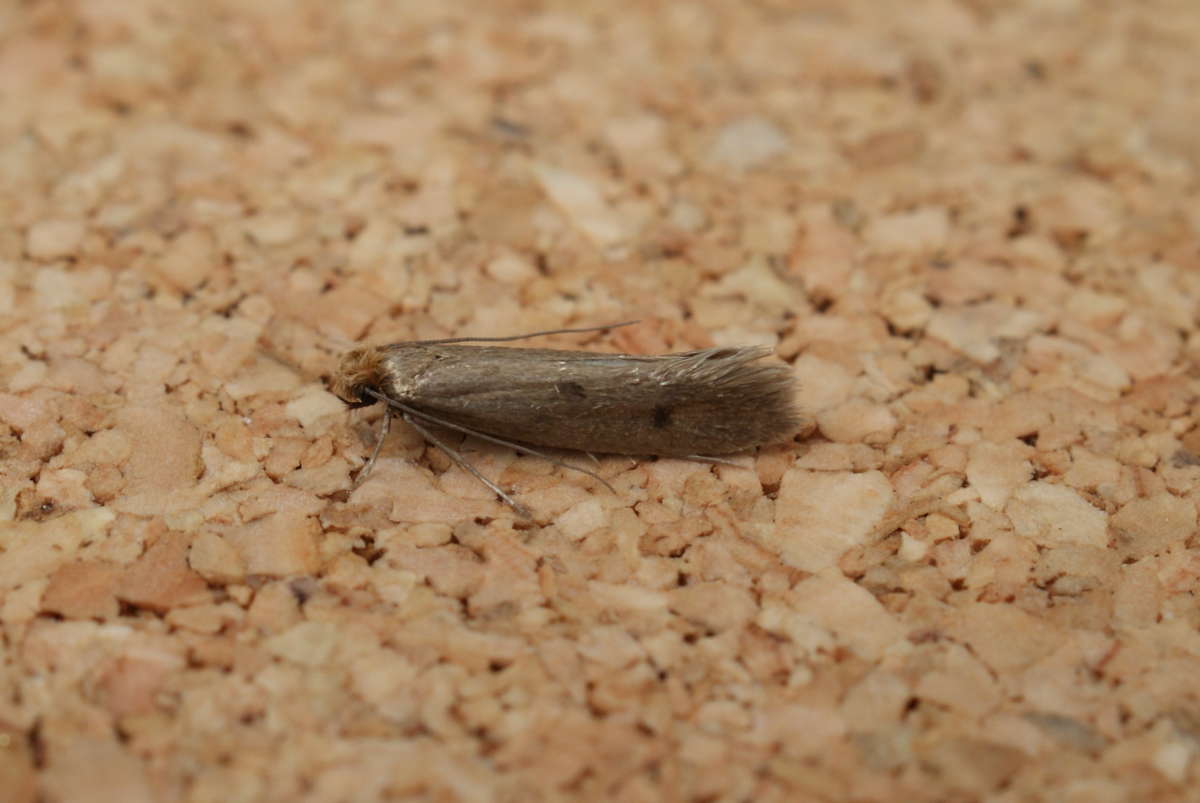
<point>359,397</point>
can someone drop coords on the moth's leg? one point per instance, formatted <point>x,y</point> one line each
<point>370,464</point>
<point>466,466</point>
<point>535,453</point>
<point>707,459</point>
<point>411,412</point>
<point>501,442</point>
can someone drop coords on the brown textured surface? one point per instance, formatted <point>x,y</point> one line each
<point>971,227</point>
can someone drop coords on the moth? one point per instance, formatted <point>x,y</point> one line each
<point>694,404</point>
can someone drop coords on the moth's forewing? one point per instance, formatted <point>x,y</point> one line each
<point>710,402</point>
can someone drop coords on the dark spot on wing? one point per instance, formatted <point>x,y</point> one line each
<point>662,416</point>
<point>572,389</point>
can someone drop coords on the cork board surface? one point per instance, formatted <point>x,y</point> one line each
<point>970,227</point>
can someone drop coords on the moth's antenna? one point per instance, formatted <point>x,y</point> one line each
<point>604,328</point>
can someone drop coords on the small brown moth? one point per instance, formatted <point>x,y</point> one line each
<point>695,404</point>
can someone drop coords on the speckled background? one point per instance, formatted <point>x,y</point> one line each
<point>970,227</point>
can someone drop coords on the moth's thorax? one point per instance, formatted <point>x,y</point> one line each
<point>359,369</point>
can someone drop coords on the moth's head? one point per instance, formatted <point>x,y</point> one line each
<point>360,370</point>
